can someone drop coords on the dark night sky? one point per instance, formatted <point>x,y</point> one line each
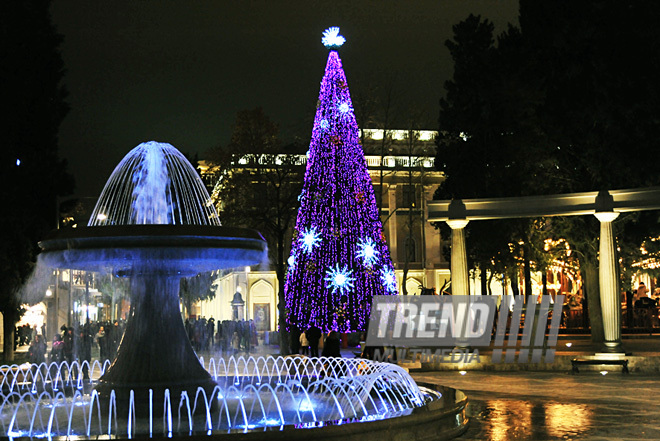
<point>177,71</point>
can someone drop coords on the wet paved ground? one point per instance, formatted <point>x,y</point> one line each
<point>548,406</point>
<point>526,405</point>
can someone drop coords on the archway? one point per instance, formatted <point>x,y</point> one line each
<point>261,295</point>
<point>412,285</point>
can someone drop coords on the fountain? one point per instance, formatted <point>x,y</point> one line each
<point>154,224</point>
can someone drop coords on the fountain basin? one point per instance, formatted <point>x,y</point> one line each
<point>178,250</point>
<point>277,398</point>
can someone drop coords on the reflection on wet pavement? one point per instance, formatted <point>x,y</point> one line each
<point>501,420</point>
<point>546,405</point>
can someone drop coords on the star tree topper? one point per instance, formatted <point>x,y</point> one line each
<point>331,38</point>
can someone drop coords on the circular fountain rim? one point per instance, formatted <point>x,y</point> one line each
<point>141,236</point>
<point>176,250</point>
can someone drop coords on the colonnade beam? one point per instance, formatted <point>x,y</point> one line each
<point>571,204</point>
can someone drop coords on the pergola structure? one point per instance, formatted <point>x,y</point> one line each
<point>605,205</point>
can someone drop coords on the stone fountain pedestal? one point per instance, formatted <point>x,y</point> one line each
<point>155,352</point>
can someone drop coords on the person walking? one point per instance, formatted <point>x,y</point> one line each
<point>235,342</point>
<point>102,341</point>
<point>85,341</point>
<point>294,340</point>
<point>642,291</point>
<point>304,344</point>
<point>68,345</point>
<point>313,336</point>
<point>37,350</point>
<point>57,349</point>
<point>331,345</point>
<point>37,356</point>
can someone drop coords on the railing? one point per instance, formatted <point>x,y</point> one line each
<point>400,135</point>
<point>373,161</point>
<point>637,320</point>
<point>427,162</point>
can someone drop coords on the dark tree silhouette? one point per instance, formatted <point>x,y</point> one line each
<point>487,133</point>
<point>600,109</point>
<point>565,103</point>
<point>31,173</point>
<point>598,72</point>
<point>259,187</point>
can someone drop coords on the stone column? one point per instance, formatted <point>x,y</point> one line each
<point>391,194</point>
<point>608,283</point>
<point>459,274</point>
<point>432,242</point>
<point>459,270</point>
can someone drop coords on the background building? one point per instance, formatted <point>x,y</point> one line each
<point>401,164</point>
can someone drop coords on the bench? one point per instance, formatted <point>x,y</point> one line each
<point>612,362</point>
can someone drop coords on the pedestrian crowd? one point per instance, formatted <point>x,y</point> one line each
<point>228,336</point>
<point>24,334</point>
<point>307,342</point>
<point>72,344</point>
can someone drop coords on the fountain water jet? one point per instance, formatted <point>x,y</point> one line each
<point>155,224</point>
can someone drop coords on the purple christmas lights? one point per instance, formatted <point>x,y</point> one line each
<point>339,258</point>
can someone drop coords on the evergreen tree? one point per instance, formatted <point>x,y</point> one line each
<point>597,67</point>
<point>565,103</point>
<point>339,258</point>
<point>600,109</point>
<point>485,138</point>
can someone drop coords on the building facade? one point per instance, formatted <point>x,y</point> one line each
<point>401,164</point>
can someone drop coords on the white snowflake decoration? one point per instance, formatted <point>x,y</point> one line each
<point>291,260</point>
<point>388,278</point>
<point>324,124</point>
<point>367,251</point>
<point>339,279</point>
<point>309,240</point>
<point>331,38</point>
<point>344,107</point>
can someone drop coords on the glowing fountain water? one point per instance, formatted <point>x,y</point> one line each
<point>252,393</point>
<point>154,223</point>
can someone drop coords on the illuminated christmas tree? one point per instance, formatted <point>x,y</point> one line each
<point>339,258</point>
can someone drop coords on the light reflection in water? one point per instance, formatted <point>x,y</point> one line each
<point>567,419</point>
<point>514,419</point>
<point>505,418</point>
